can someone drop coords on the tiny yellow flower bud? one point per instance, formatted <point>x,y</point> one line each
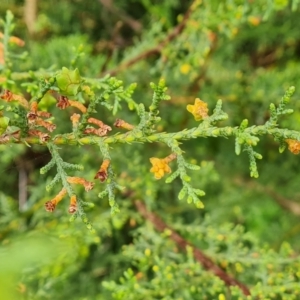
<point>199,110</point>
<point>160,166</point>
<point>294,146</point>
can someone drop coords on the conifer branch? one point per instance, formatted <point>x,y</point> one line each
<point>203,259</point>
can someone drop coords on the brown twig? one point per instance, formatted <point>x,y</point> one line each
<point>122,15</point>
<point>205,261</point>
<point>154,50</point>
<point>30,14</point>
<point>287,204</point>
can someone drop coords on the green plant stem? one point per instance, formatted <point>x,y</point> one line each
<point>181,135</point>
<point>60,170</point>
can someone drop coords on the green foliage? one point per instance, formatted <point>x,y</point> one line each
<point>161,272</point>
<point>238,51</point>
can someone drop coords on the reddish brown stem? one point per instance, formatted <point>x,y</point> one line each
<point>122,15</point>
<point>205,261</point>
<point>155,50</point>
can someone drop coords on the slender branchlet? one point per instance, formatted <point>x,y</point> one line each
<point>6,39</point>
<point>75,206</point>
<point>106,174</point>
<point>187,189</point>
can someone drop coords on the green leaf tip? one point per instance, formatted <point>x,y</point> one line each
<point>244,124</point>
<point>291,90</point>
<point>9,16</point>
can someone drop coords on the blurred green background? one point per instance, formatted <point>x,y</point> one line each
<point>244,52</point>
